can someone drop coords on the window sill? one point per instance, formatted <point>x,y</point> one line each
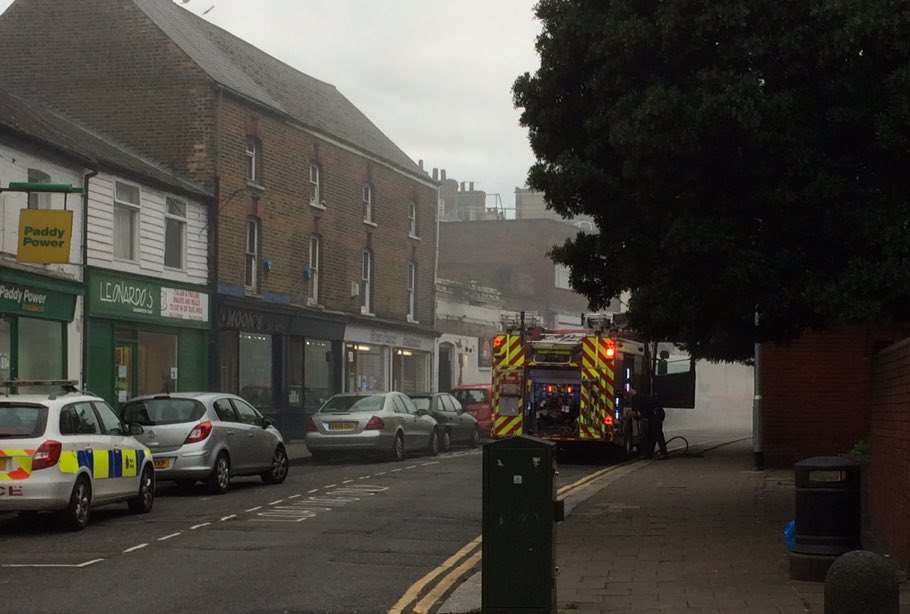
<point>319,206</point>
<point>414,237</point>
<point>171,269</point>
<point>125,260</point>
<point>364,312</point>
<point>369,223</point>
<point>255,186</point>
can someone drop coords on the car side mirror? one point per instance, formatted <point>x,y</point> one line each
<point>135,428</point>
<point>422,412</point>
<point>266,423</point>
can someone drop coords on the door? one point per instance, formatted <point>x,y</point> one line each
<point>445,367</point>
<point>260,441</point>
<point>466,423</point>
<point>126,372</point>
<point>421,426</point>
<point>123,469</point>
<point>80,427</point>
<point>233,433</point>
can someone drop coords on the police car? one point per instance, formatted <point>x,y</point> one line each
<point>67,452</point>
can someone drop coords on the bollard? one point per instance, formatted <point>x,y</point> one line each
<point>862,581</point>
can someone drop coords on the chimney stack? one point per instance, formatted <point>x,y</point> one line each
<point>436,174</point>
<point>462,186</point>
<point>471,186</point>
<point>420,165</point>
<point>442,174</point>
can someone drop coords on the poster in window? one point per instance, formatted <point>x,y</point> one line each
<point>484,353</point>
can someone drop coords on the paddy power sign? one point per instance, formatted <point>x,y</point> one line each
<point>44,236</point>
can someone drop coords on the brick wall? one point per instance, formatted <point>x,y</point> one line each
<point>510,256</point>
<point>889,439</point>
<point>105,63</point>
<point>817,393</point>
<point>288,220</point>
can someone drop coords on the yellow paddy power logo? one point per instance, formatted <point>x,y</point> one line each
<point>44,236</point>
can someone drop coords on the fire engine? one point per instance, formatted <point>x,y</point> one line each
<point>565,386</point>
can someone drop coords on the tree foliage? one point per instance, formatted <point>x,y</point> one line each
<point>734,154</point>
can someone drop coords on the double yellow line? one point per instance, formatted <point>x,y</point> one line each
<point>460,564</point>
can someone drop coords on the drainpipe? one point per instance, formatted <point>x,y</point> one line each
<point>85,185</point>
<point>758,452</point>
<point>214,209</point>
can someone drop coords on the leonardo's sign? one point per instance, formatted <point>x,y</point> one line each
<point>135,299</point>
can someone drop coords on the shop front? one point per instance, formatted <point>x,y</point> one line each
<point>382,359</point>
<point>38,339</point>
<point>282,359</point>
<point>145,336</point>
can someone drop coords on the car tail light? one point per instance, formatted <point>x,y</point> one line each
<point>199,432</point>
<point>47,455</point>
<point>608,420</point>
<point>309,425</point>
<point>375,424</point>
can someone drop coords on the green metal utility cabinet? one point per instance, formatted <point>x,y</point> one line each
<point>519,530</point>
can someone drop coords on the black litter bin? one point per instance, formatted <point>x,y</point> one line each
<point>828,506</point>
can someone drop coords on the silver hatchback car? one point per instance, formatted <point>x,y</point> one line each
<point>208,437</point>
<point>387,423</point>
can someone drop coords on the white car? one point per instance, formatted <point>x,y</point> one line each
<point>68,453</point>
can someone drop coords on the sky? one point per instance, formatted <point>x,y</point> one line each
<point>434,75</point>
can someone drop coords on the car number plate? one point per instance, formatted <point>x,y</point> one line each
<point>162,463</point>
<point>342,426</point>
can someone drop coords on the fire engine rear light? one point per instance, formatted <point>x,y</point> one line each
<point>47,455</point>
<point>199,432</point>
<point>611,352</point>
<point>608,420</point>
<point>309,425</point>
<point>375,424</point>
<point>498,341</point>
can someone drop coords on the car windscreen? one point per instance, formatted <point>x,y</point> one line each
<point>471,396</point>
<point>422,402</point>
<point>353,404</point>
<point>157,412</point>
<point>22,421</point>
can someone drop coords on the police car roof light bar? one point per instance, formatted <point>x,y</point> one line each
<point>12,386</point>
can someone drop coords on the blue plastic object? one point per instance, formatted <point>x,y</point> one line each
<point>790,535</point>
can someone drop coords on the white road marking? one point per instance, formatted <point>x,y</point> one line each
<point>228,517</point>
<point>411,467</point>
<point>171,536</point>
<point>364,477</point>
<point>134,548</point>
<point>253,509</point>
<point>293,496</point>
<point>347,481</point>
<point>77,566</point>
<point>394,470</point>
<point>276,502</point>
<point>301,519</point>
<point>199,526</point>
<point>430,463</point>
<point>310,492</point>
<point>330,485</point>
<point>381,473</point>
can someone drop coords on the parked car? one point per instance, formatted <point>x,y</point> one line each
<point>69,453</point>
<point>477,401</point>
<point>387,423</point>
<point>455,424</point>
<point>209,437</point>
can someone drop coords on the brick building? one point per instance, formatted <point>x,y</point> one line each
<point>324,237</point>
<point>512,257</point>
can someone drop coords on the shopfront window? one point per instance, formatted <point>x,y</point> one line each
<point>410,371</point>
<point>157,363</point>
<point>5,348</point>
<point>255,373</point>
<point>318,374</point>
<point>366,368</point>
<point>41,349</point>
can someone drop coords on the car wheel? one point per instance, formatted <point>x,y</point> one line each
<point>220,480</point>
<point>144,501</point>
<point>398,448</point>
<point>446,443</point>
<point>279,470</point>
<point>434,443</point>
<point>76,515</point>
<point>475,437</point>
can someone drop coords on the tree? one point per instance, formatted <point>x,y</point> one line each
<point>734,154</point>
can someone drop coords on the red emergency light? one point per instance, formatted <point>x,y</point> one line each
<point>608,420</point>
<point>498,341</point>
<point>611,352</point>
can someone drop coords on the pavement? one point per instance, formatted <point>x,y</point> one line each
<point>696,535</point>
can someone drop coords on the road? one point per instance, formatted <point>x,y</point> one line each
<point>347,536</point>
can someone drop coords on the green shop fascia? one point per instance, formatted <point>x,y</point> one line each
<point>37,336</point>
<point>145,336</point>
